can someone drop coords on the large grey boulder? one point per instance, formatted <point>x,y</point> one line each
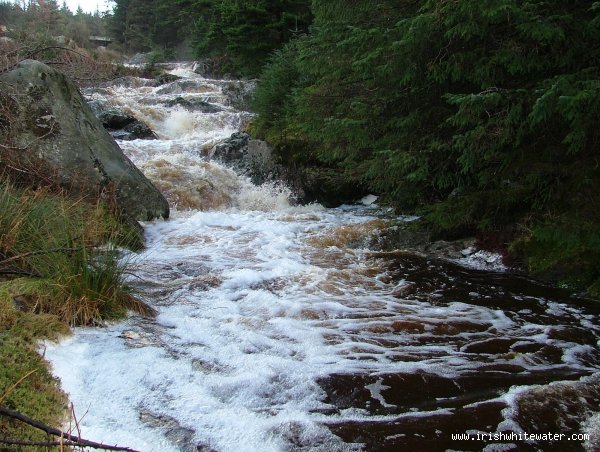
<point>253,158</point>
<point>55,129</point>
<point>261,163</point>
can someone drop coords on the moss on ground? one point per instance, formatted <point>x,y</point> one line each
<point>26,384</point>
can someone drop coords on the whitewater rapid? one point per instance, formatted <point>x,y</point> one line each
<point>280,327</point>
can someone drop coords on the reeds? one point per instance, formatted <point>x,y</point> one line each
<point>70,248</point>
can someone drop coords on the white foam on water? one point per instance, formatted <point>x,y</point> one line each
<point>592,428</point>
<point>375,390</point>
<point>179,122</point>
<point>483,260</point>
<point>369,200</point>
<point>184,72</point>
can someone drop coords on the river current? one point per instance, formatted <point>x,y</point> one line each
<point>282,327</point>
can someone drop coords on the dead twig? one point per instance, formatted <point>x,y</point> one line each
<point>71,439</point>
<point>39,253</point>
<point>13,387</point>
<point>18,442</point>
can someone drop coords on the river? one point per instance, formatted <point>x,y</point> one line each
<point>282,327</point>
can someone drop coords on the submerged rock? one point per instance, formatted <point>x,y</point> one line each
<point>115,119</point>
<point>140,130</point>
<point>56,132</point>
<point>122,126</point>
<point>180,86</point>
<point>165,78</point>
<point>193,105</point>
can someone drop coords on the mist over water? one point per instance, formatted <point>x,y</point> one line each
<point>281,327</point>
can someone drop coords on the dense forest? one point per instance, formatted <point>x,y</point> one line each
<point>239,35</point>
<point>480,116</point>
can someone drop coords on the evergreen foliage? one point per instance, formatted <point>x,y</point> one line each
<point>485,113</point>
<point>244,33</point>
<point>239,34</point>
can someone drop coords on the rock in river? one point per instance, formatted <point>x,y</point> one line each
<point>55,131</point>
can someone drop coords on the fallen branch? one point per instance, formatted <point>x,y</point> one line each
<point>40,253</point>
<point>20,442</point>
<point>18,272</point>
<point>70,439</point>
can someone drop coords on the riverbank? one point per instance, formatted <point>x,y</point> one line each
<point>58,268</point>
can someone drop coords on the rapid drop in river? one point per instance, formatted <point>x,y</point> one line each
<point>280,329</point>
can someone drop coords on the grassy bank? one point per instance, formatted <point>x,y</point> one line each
<point>59,267</point>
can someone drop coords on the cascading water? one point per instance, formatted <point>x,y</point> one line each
<point>278,329</point>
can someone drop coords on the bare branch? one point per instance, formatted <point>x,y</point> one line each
<point>72,440</point>
<point>42,252</point>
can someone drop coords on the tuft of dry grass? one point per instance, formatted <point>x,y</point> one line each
<point>71,246</point>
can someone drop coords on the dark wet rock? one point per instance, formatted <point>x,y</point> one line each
<point>205,68</point>
<point>140,130</point>
<point>253,158</point>
<point>239,93</point>
<point>99,106</point>
<point>115,119</point>
<point>60,135</point>
<point>165,78</point>
<point>414,236</point>
<point>121,135</point>
<point>455,249</point>
<point>257,160</point>
<point>193,105</point>
<point>328,186</point>
<point>182,437</point>
<point>405,290</point>
<point>232,149</point>
<point>208,68</point>
<point>207,367</point>
<point>182,86</point>
<point>205,448</point>
<point>122,126</point>
<point>572,334</point>
<point>493,346</point>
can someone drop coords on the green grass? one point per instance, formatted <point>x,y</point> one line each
<point>37,395</point>
<point>59,266</point>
